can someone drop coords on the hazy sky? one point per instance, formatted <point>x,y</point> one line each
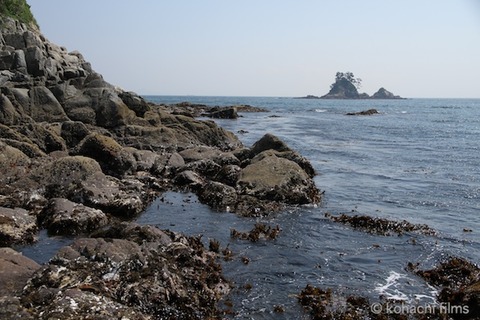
<point>414,48</point>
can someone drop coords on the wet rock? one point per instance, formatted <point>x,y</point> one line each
<point>368,112</point>
<point>459,281</point>
<point>189,178</point>
<point>80,179</point>
<point>17,226</point>
<point>259,231</point>
<point>249,206</point>
<point>64,217</point>
<point>325,304</point>
<point>381,226</point>
<point>112,157</point>
<point>15,270</point>
<point>269,177</point>
<point>218,195</point>
<point>167,164</point>
<point>228,174</point>
<point>157,279</point>
<point>207,167</point>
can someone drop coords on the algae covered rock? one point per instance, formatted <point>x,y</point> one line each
<point>17,226</point>
<point>161,275</point>
<point>269,177</point>
<point>111,156</point>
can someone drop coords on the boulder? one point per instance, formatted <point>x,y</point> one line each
<point>8,113</point>
<point>73,132</point>
<point>268,142</point>
<point>45,136</point>
<point>218,195</point>
<point>223,113</point>
<point>270,177</point>
<point>112,157</point>
<point>15,270</point>
<point>64,217</point>
<point>135,103</point>
<point>368,112</point>
<point>228,174</point>
<point>17,226</point>
<point>281,149</point>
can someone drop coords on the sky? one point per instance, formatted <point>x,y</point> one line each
<point>284,48</point>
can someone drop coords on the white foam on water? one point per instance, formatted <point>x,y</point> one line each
<point>320,110</point>
<point>390,289</point>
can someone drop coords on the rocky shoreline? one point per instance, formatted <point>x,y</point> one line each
<point>81,157</point>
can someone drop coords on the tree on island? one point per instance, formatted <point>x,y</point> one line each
<point>348,76</point>
<point>345,87</point>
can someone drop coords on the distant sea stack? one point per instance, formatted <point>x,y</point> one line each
<point>383,93</point>
<point>346,87</point>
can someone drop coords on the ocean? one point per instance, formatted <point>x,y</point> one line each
<point>418,160</point>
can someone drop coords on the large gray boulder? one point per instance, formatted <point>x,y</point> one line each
<point>273,178</point>
<point>112,157</point>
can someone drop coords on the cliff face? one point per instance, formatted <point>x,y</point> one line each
<point>43,82</point>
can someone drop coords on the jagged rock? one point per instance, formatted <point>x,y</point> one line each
<point>112,157</point>
<point>65,217</point>
<point>15,270</point>
<point>17,226</point>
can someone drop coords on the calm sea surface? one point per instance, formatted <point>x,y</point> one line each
<point>418,160</point>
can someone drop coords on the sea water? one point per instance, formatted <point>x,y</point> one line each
<point>418,160</point>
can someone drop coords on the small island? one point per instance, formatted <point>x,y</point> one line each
<point>346,87</point>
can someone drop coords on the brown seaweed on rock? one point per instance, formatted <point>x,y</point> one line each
<point>460,283</point>
<point>134,271</point>
<point>380,226</point>
<point>259,231</point>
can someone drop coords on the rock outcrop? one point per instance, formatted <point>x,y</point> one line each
<point>383,93</point>
<point>343,89</point>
